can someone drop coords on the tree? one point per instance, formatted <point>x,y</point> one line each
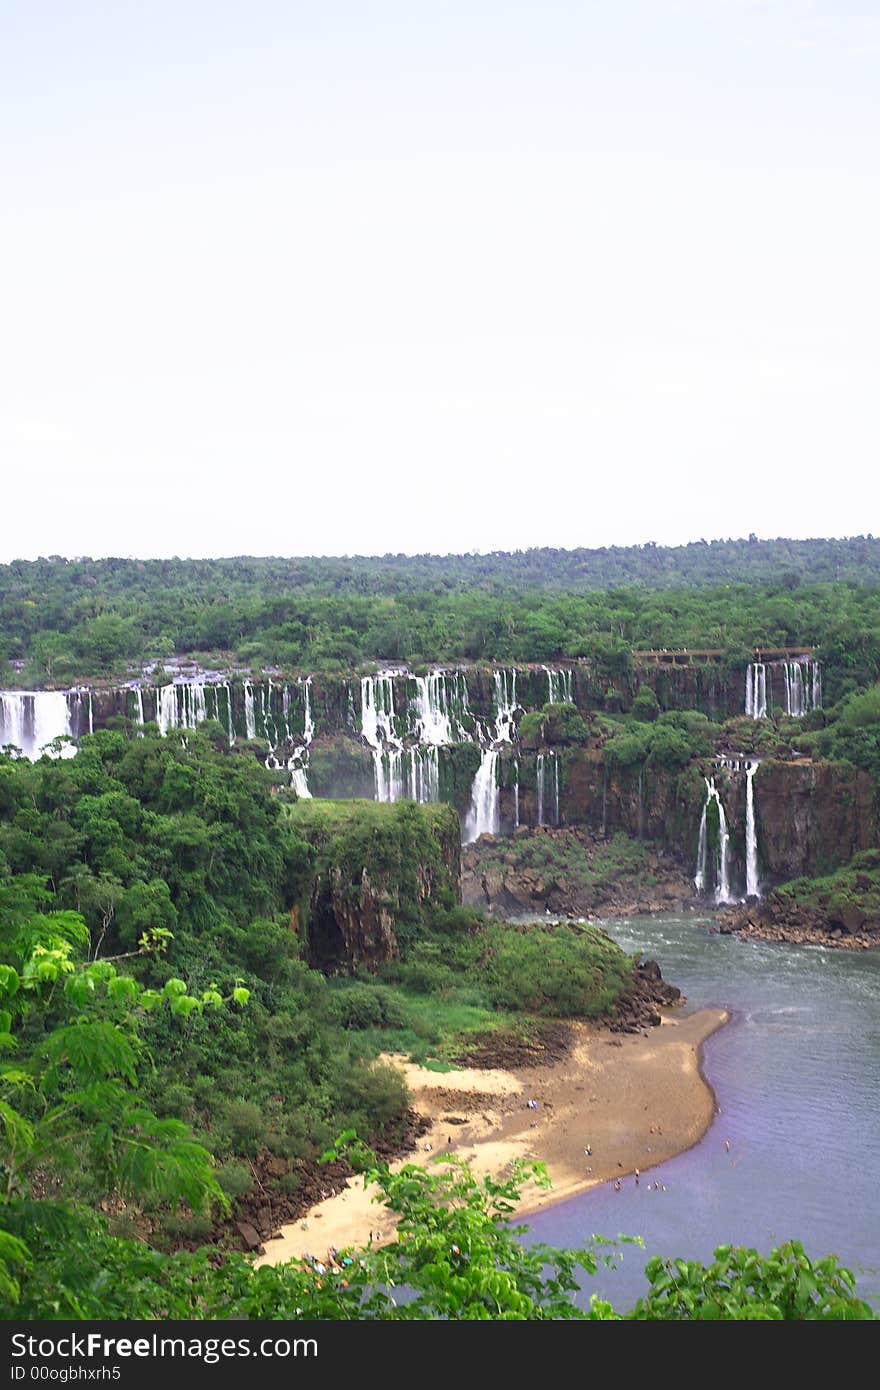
<point>70,1105</point>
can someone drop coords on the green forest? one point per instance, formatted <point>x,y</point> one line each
<point>66,620</point>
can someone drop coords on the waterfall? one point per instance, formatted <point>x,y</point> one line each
<point>484,817</point>
<point>722,866</point>
<point>230,727</point>
<point>816,684</point>
<point>29,719</point>
<point>516,793</point>
<point>803,687</point>
<point>377,728</point>
<point>377,710</point>
<point>298,761</point>
<point>299,783</point>
<point>541,786</point>
<point>250,719</point>
<point>753,887</point>
<point>756,690</point>
<point>431,702</point>
<point>505,705</point>
<point>559,687</point>
<point>181,706</point>
<point>308,722</point>
<point>794,688</point>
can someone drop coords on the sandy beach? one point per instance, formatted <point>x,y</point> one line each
<point>633,1100</point>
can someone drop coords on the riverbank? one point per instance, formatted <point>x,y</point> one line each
<point>615,1104</point>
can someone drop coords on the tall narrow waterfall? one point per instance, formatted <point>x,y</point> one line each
<point>308,722</point>
<point>722,864</point>
<point>504,690</point>
<point>753,887</point>
<point>30,719</point>
<point>559,691</point>
<point>484,817</point>
<point>250,718</point>
<point>516,793</point>
<point>539,788</point>
<point>756,690</point>
<point>555,789</point>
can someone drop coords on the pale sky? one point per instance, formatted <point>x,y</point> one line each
<point>389,275</point>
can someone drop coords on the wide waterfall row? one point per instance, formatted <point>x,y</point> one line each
<point>432,712</point>
<point>800,681</point>
<point>266,712</point>
<point>30,720</point>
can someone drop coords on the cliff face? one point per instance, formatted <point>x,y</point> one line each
<point>812,817</point>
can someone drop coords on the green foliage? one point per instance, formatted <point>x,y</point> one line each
<point>740,1284</point>
<point>69,1103</point>
<point>854,886</point>
<point>662,744</point>
<point>556,970</point>
<point>645,706</point>
<point>88,617</point>
<point>454,1251</point>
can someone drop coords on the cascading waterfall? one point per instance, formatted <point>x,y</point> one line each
<point>516,793</point>
<point>722,866</point>
<point>556,789</point>
<point>377,727</point>
<point>439,701</point>
<point>298,762</point>
<point>753,887</point>
<point>30,719</point>
<point>182,706</point>
<point>756,690</point>
<point>559,687</point>
<point>539,787</point>
<point>484,817</point>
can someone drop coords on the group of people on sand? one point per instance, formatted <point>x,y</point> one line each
<point>332,1264</point>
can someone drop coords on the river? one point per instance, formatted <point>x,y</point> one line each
<point>795,1075</point>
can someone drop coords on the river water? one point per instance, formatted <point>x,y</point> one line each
<point>795,1075</point>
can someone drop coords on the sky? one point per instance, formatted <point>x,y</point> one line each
<point>389,275</point>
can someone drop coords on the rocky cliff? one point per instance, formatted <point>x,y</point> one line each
<point>376,868</point>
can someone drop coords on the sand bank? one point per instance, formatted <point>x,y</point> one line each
<point>635,1101</point>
